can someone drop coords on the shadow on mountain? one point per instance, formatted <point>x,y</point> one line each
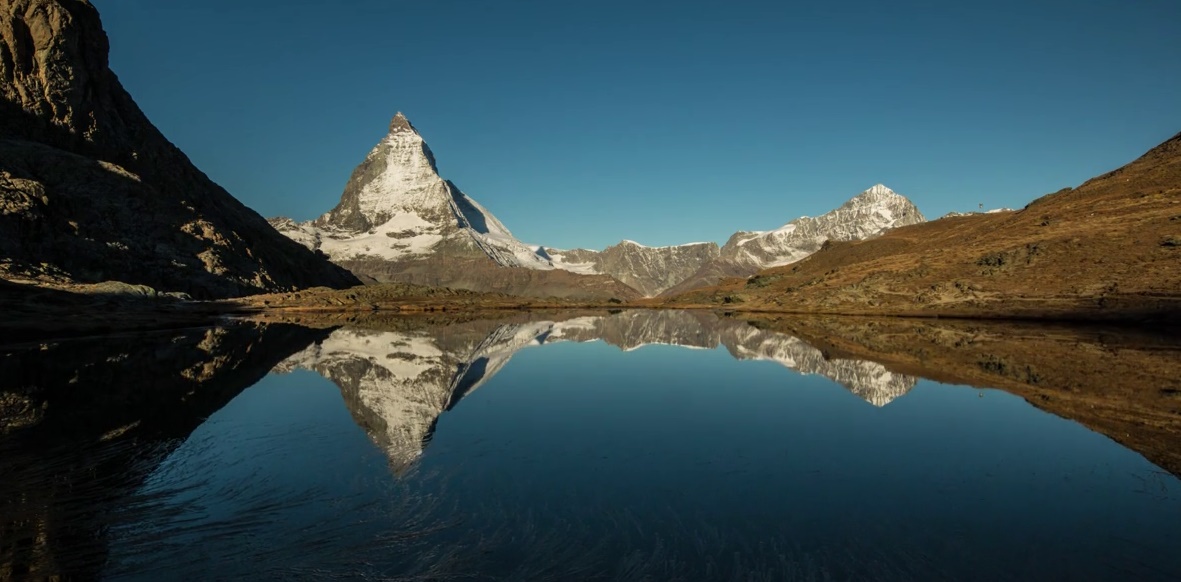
<point>84,422</point>
<point>1124,383</point>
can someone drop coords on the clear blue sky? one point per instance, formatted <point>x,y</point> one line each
<point>581,123</point>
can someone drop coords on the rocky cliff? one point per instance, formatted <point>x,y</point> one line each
<point>649,270</point>
<point>90,190</point>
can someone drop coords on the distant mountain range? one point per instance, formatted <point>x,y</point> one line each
<point>399,220</point>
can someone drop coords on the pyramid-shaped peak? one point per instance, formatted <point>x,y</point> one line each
<point>879,190</point>
<point>400,123</point>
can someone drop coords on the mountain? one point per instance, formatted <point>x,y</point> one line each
<point>396,383</point>
<point>1108,249</point>
<point>91,191</point>
<point>649,270</point>
<point>866,215</point>
<point>399,220</point>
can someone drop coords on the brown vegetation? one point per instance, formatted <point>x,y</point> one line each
<point>402,297</point>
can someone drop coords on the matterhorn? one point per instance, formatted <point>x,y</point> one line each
<point>399,220</point>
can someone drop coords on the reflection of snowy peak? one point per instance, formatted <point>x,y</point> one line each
<point>870,381</point>
<point>396,206</point>
<point>396,384</point>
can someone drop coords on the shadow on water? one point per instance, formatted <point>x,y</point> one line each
<point>83,422</point>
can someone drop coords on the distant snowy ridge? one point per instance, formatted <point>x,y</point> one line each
<point>954,213</point>
<point>866,215</point>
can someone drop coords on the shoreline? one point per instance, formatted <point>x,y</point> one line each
<point>99,317</point>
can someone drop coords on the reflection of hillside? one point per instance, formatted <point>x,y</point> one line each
<point>397,383</point>
<point>1123,383</point>
<point>83,422</point>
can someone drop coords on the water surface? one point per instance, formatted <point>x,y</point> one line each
<point>634,445</point>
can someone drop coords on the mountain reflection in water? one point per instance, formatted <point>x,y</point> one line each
<point>397,383</point>
<point>93,431</point>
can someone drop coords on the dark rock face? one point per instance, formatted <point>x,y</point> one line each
<point>90,190</point>
<point>649,270</point>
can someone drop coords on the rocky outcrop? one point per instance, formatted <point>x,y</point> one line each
<point>649,270</point>
<point>90,190</point>
<point>866,215</point>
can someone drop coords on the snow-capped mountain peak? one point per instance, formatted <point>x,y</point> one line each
<point>401,124</point>
<point>865,215</point>
<point>878,190</point>
<point>396,206</point>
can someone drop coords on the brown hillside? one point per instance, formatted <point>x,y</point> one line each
<point>1110,248</point>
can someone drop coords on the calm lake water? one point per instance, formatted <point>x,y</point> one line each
<point>625,446</point>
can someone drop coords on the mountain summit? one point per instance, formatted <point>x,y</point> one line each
<point>400,123</point>
<point>865,215</point>
<point>395,206</point>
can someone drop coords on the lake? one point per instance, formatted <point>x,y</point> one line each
<point>631,445</point>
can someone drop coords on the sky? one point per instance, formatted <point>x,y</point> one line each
<point>581,123</point>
